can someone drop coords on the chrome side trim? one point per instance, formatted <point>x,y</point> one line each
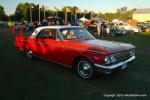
<point>83,49</point>
<point>115,65</point>
<point>22,40</point>
<point>62,46</point>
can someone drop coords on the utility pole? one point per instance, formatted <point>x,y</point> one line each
<point>76,12</point>
<point>75,16</point>
<point>30,12</point>
<point>39,14</point>
<point>44,12</point>
<point>56,11</point>
<point>91,14</point>
<point>85,12</point>
<point>67,10</point>
<point>66,17</point>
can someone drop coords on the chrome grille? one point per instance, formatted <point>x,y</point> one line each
<point>123,56</point>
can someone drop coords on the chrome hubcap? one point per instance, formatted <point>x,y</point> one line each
<point>84,69</point>
<point>29,54</point>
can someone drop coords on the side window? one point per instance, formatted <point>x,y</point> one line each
<point>69,34</point>
<point>52,34</point>
<point>43,34</point>
<point>48,34</point>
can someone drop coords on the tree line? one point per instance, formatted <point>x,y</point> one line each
<point>3,16</point>
<point>23,13</point>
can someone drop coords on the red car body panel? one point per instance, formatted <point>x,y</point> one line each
<point>65,52</point>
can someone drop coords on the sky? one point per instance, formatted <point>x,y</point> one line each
<point>94,5</point>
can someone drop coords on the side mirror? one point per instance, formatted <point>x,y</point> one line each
<point>57,40</point>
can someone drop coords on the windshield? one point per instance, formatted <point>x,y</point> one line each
<point>76,33</point>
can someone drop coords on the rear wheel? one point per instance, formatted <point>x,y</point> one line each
<point>85,68</point>
<point>29,54</point>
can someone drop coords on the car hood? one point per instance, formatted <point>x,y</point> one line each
<point>110,46</point>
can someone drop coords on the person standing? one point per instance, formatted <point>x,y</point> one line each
<point>69,24</point>
<point>81,24</point>
<point>103,28</point>
<point>10,24</point>
<point>108,30</point>
<point>98,25</point>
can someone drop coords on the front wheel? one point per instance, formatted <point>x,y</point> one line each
<point>85,68</point>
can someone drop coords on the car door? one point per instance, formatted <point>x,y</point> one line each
<point>47,44</point>
<point>66,53</point>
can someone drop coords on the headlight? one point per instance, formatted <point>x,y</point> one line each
<point>107,60</point>
<point>132,53</point>
<point>110,59</point>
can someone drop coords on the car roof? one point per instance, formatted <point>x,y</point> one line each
<point>57,27</point>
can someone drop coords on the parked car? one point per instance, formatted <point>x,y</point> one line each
<point>75,47</point>
<point>115,30</point>
<point>128,27</point>
<point>145,26</point>
<point>118,31</point>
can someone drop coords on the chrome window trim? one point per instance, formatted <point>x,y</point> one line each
<point>57,33</point>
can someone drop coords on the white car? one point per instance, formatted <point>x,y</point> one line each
<point>128,27</point>
<point>135,29</point>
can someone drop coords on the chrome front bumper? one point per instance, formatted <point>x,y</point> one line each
<point>114,65</point>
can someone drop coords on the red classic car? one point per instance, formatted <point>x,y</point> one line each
<point>75,47</point>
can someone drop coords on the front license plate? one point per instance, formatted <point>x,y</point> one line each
<point>124,66</point>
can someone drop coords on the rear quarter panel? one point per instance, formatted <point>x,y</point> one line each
<point>20,42</point>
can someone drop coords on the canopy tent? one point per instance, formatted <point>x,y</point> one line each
<point>84,19</point>
<point>117,21</point>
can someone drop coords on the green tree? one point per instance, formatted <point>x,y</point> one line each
<point>12,17</point>
<point>3,16</point>
<point>124,13</point>
<point>22,11</point>
<point>73,11</point>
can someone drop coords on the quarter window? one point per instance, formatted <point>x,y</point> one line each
<point>48,34</point>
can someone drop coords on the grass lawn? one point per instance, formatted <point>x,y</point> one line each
<point>23,79</point>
